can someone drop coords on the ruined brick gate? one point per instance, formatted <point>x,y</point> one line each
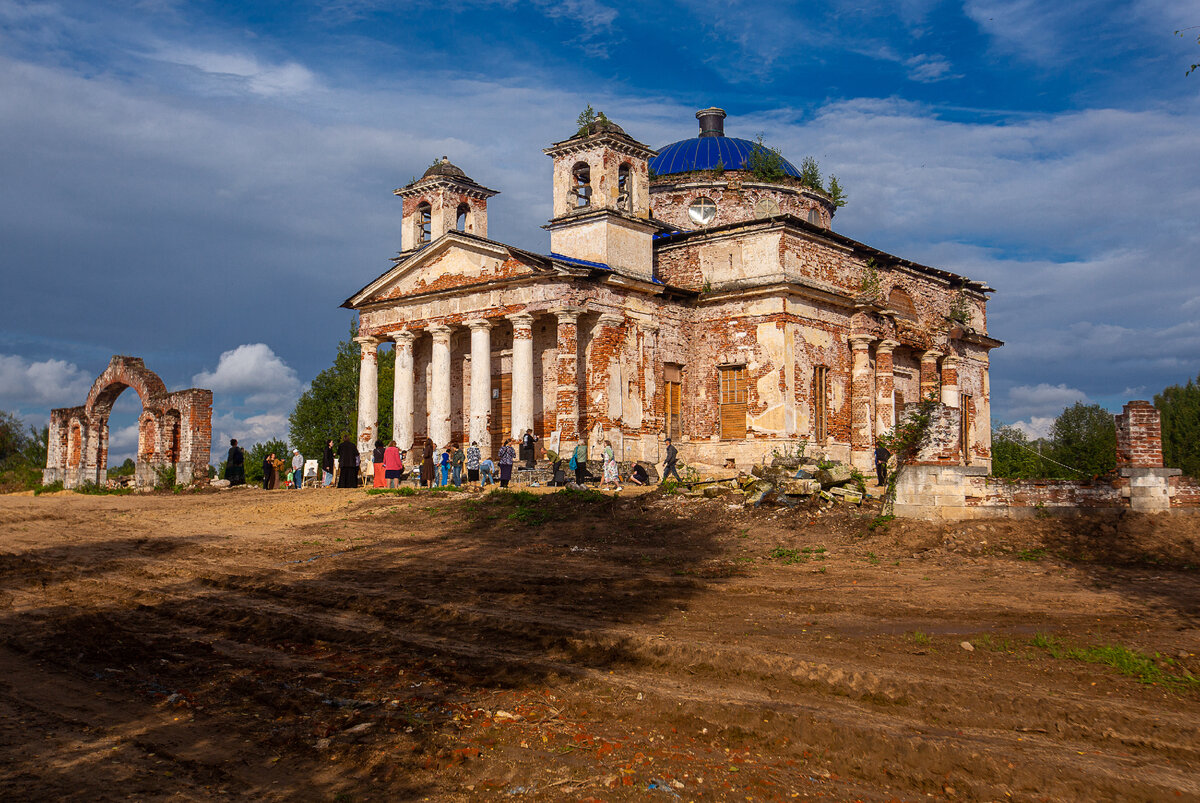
<point>174,430</point>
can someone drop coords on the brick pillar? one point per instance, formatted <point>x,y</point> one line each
<point>1139,457</point>
<point>402,390</point>
<point>606,362</point>
<point>567,415</point>
<point>930,381</point>
<point>861,429</point>
<point>651,369</point>
<point>950,381</point>
<point>885,386</point>
<point>1139,436</point>
<point>368,394</point>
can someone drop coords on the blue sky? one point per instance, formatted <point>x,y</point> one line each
<point>202,183</point>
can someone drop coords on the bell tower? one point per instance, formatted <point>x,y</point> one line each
<point>443,199</point>
<point>602,200</point>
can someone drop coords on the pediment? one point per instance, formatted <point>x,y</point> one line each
<point>447,264</point>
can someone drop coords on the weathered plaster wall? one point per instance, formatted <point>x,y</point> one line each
<point>737,196</point>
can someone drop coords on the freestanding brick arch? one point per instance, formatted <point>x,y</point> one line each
<point>174,429</point>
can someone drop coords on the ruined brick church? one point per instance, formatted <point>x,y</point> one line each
<point>684,295</point>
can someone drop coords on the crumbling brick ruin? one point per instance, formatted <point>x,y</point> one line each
<point>684,295</point>
<point>939,485</point>
<point>174,430</point>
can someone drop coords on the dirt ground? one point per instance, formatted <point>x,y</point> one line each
<point>330,645</point>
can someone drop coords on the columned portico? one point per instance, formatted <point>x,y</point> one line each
<point>402,394</point>
<point>368,394</point>
<point>481,384</point>
<point>861,429</point>
<point>522,373</point>
<point>439,405</point>
<point>567,420</point>
<point>930,381</point>
<point>885,386</point>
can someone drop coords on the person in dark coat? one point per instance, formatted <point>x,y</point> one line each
<point>529,448</point>
<point>235,464</point>
<point>270,473</point>
<point>377,469</point>
<point>427,463</point>
<point>347,463</point>
<point>327,463</point>
<point>669,465</point>
<point>882,456</point>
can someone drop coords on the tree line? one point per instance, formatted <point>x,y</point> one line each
<point>1083,440</point>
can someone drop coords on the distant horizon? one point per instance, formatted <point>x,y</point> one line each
<point>202,185</point>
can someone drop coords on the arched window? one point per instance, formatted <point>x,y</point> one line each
<point>624,187</point>
<point>424,223</point>
<point>581,188</point>
<point>460,222</point>
<point>814,217</point>
<point>902,303</point>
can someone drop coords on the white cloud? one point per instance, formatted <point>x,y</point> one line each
<point>248,430</point>
<point>122,443</point>
<point>928,68</point>
<point>1042,399</point>
<point>1036,427</point>
<point>254,371</point>
<point>56,383</point>
<point>243,70</point>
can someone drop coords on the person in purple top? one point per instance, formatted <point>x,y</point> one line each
<point>506,457</point>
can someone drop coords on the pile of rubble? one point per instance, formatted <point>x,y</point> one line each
<point>786,481</point>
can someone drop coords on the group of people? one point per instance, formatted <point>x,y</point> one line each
<point>451,466</point>
<point>454,465</point>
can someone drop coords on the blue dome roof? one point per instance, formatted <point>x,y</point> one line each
<point>704,153</point>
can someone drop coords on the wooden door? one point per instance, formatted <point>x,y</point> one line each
<point>501,424</point>
<point>733,402</point>
<point>673,400</point>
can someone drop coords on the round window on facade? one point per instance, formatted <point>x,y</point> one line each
<point>702,211</point>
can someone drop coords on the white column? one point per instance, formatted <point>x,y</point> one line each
<point>439,406</point>
<point>368,394</point>
<point>481,383</point>
<point>402,393</point>
<point>522,373</point>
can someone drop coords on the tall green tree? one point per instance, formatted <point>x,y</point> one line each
<point>1084,437</point>
<point>1179,407</point>
<point>1014,456</point>
<point>22,453</point>
<point>330,405</point>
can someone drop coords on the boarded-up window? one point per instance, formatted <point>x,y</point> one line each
<point>820,403</point>
<point>902,303</point>
<point>964,427</point>
<point>501,412</point>
<point>673,400</point>
<point>733,401</point>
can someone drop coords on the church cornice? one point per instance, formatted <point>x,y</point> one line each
<point>433,183</point>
